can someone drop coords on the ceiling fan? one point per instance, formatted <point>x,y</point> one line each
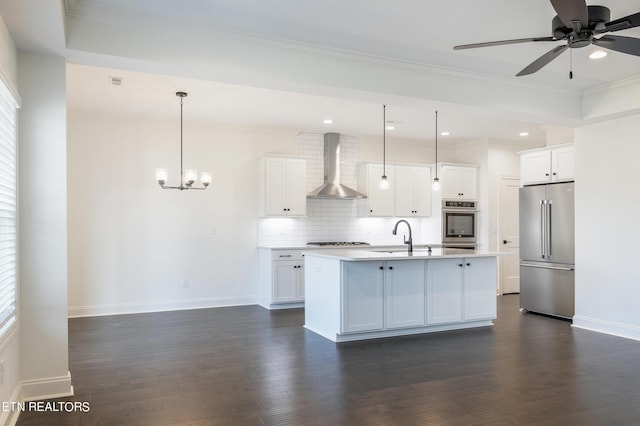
<point>579,25</point>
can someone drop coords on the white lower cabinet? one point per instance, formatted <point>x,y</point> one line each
<point>281,279</point>
<point>444,291</point>
<point>382,295</point>
<point>461,289</point>
<point>362,301</point>
<point>288,281</point>
<point>480,291</point>
<point>404,287</point>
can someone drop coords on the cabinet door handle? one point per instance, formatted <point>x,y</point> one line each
<point>370,211</point>
<point>382,268</point>
<point>546,174</point>
<point>390,267</point>
<point>285,255</point>
<point>554,173</point>
<point>468,264</point>
<point>460,265</point>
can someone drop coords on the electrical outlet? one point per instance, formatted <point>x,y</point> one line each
<point>185,283</point>
<point>2,372</point>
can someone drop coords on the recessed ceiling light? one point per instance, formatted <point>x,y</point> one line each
<point>327,121</point>
<point>598,54</point>
<point>390,127</point>
<point>445,134</point>
<point>524,133</point>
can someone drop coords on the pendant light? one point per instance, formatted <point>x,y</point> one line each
<point>436,182</point>
<point>188,176</point>
<point>384,182</point>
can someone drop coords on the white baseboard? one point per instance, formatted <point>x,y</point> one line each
<point>49,388</point>
<point>607,327</point>
<point>157,306</point>
<point>10,417</point>
<point>350,337</point>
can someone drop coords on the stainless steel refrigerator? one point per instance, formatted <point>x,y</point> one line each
<point>547,264</point>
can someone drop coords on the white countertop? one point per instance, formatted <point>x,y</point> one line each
<point>377,253</point>
<point>364,247</point>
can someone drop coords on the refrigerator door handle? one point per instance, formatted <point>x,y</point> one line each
<point>559,268</point>
<point>549,224</point>
<point>542,228</point>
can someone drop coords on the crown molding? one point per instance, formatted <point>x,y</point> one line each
<point>616,85</point>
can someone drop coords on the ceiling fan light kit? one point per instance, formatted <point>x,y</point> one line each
<point>598,54</point>
<point>580,26</point>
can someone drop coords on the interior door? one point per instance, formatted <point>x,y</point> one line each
<point>509,235</point>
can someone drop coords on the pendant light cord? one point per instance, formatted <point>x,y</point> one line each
<point>181,169</point>
<point>384,140</point>
<point>436,144</point>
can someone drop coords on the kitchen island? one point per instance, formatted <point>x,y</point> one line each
<point>366,294</point>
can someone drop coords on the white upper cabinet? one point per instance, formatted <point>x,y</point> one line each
<point>409,192</point>
<point>547,165</point>
<point>413,191</point>
<point>379,202</point>
<point>459,182</point>
<point>282,186</point>
<point>563,164</point>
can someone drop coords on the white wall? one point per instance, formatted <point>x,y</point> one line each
<point>131,244</point>
<point>607,206</point>
<point>42,189</point>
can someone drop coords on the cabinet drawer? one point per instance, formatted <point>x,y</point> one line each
<point>286,255</point>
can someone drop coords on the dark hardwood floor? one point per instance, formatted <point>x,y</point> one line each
<point>249,366</point>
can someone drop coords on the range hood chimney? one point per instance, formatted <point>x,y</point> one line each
<point>332,188</point>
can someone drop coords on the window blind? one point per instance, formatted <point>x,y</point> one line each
<point>8,225</point>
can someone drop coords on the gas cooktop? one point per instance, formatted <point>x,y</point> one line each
<point>337,243</point>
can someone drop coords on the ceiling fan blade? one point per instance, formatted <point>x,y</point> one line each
<point>622,44</point>
<point>630,21</point>
<point>542,60</point>
<point>571,12</point>
<point>502,42</point>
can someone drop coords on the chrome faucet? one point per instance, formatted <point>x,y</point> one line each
<point>409,242</point>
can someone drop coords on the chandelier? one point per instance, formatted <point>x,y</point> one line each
<point>187,176</point>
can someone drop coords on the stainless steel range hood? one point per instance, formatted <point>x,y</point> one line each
<point>332,188</point>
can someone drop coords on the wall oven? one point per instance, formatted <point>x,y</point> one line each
<point>459,224</point>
